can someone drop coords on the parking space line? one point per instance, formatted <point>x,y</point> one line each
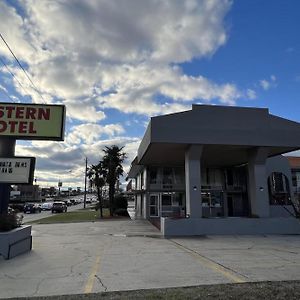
<point>91,280</point>
<point>226,272</point>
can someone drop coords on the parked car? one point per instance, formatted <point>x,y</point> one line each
<point>59,207</point>
<point>68,202</point>
<point>72,201</point>
<point>31,208</point>
<point>47,206</point>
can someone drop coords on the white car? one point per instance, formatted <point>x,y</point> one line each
<point>47,206</point>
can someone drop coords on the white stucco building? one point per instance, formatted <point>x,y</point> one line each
<point>217,170</point>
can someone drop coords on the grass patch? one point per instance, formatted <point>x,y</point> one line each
<point>251,291</point>
<point>82,215</point>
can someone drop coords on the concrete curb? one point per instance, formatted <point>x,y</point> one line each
<point>249,290</point>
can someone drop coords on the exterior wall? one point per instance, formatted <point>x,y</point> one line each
<point>145,206</point>
<point>257,182</point>
<point>193,181</point>
<point>214,184</point>
<point>279,211</point>
<point>198,226</point>
<point>138,205</point>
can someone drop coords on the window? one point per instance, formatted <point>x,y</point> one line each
<point>153,207</point>
<point>167,176</point>
<point>153,175</point>
<point>279,191</point>
<point>166,200</point>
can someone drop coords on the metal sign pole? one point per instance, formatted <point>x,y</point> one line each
<point>7,149</point>
<point>85,174</point>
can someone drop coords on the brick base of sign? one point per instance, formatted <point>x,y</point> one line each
<point>15,242</point>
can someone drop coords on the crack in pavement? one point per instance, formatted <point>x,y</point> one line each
<point>9,276</point>
<point>104,286</point>
<point>38,287</point>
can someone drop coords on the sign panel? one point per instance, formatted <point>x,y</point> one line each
<point>16,170</point>
<point>32,121</point>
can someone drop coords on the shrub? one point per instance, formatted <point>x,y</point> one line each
<point>121,212</point>
<point>120,201</point>
<point>9,221</point>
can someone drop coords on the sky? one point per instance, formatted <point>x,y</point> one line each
<point>116,63</point>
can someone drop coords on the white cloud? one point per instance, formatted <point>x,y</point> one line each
<point>251,94</point>
<point>84,110</point>
<point>80,49</point>
<point>264,84</point>
<point>96,55</point>
<point>55,160</point>
<point>270,83</point>
<point>90,133</point>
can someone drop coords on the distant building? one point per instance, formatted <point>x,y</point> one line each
<point>28,193</point>
<point>217,170</point>
<point>48,192</point>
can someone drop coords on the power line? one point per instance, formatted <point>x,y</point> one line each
<point>13,75</point>
<point>25,72</point>
<point>3,90</point>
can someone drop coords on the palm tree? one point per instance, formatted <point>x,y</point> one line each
<point>112,164</point>
<point>96,175</point>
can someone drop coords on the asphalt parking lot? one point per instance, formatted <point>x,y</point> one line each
<point>125,255</point>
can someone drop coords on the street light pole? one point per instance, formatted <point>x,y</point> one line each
<point>85,174</point>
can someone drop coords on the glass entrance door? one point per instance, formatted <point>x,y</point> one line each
<point>154,205</point>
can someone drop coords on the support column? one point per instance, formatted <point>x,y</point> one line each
<point>7,149</point>
<point>193,181</point>
<point>257,182</point>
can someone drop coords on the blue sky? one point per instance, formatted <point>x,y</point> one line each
<point>115,64</point>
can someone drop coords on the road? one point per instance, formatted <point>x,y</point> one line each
<point>44,214</point>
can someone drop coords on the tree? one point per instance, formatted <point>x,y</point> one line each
<point>112,164</point>
<point>96,174</point>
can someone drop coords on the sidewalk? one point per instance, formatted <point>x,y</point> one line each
<point>83,258</point>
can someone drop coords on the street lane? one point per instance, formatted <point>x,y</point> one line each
<point>44,214</point>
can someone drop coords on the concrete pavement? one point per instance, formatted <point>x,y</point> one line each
<point>125,255</point>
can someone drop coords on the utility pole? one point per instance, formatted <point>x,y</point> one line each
<point>85,174</point>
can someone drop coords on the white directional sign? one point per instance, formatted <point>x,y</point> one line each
<point>16,170</point>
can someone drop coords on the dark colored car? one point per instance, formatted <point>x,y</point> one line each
<point>59,207</point>
<point>31,208</point>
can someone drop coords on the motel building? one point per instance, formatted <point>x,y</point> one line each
<point>217,170</point>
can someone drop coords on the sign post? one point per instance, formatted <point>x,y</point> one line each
<point>7,149</point>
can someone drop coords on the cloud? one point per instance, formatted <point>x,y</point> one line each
<point>264,84</point>
<point>55,160</point>
<point>290,50</point>
<point>251,94</point>
<point>90,133</point>
<point>95,56</point>
<point>99,43</point>
<point>270,83</point>
<point>84,110</point>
